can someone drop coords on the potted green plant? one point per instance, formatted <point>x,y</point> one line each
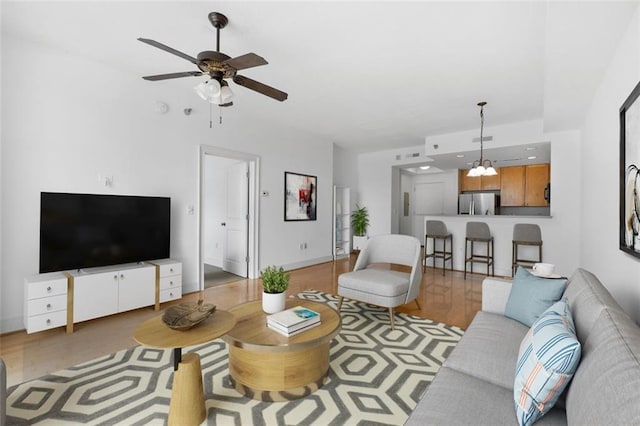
<point>360,223</point>
<point>275,282</point>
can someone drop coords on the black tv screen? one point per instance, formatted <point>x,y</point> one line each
<point>86,230</point>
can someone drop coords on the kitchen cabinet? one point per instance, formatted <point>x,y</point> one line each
<point>466,183</point>
<point>536,180</point>
<point>490,183</point>
<point>524,185</point>
<point>481,183</point>
<point>512,185</point>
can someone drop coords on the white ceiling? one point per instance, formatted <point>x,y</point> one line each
<point>365,75</point>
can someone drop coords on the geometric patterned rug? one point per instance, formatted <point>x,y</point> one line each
<point>376,376</point>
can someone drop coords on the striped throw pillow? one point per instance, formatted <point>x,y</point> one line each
<point>548,358</point>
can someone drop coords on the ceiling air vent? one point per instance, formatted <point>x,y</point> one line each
<point>484,139</point>
<point>413,155</point>
<point>398,157</point>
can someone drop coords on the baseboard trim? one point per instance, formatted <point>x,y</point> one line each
<point>308,262</point>
<point>11,325</point>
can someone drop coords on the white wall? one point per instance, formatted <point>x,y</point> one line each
<point>345,168</point>
<point>78,119</point>
<point>599,251</point>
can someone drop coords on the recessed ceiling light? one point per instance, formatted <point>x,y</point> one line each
<point>424,167</point>
<point>532,157</point>
<point>530,148</point>
<point>460,155</point>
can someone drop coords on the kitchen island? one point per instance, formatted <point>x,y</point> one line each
<point>501,226</point>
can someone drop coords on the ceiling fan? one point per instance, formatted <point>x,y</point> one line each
<point>218,67</point>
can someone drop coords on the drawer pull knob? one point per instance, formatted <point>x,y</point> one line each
<point>122,276</point>
<point>170,269</point>
<point>171,294</point>
<point>49,289</point>
<point>48,321</point>
<point>170,282</point>
<point>115,277</point>
<point>48,305</point>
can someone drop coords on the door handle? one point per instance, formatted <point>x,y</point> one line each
<point>223,224</point>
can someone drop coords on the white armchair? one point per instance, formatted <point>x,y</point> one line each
<point>384,287</point>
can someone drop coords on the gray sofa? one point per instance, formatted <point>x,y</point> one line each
<point>475,384</point>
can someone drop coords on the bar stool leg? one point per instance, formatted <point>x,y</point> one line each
<point>444,254</point>
<point>465,258</point>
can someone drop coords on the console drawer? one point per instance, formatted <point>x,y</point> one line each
<point>47,304</point>
<point>169,269</point>
<point>46,321</point>
<point>36,290</point>
<point>170,294</point>
<point>170,282</point>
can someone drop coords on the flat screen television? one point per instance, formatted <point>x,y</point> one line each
<point>87,230</point>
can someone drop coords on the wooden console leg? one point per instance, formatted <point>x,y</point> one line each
<point>187,398</point>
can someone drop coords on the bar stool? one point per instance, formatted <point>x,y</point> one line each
<point>525,234</point>
<point>478,232</point>
<point>437,230</point>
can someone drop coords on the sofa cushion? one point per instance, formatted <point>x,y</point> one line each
<point>530,296</point>
<point>548,357</point>
<point>606,386</point>
<point>456,398</point>
<point>489,349</point>
<point>587,298</point>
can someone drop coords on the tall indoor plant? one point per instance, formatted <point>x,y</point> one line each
<point>360,223</point>
<point>275,282</point>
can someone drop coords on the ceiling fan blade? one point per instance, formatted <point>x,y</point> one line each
<point>172,75</point>
<point>249,60</point>
<point>169,49</point>
<point>260,88</point>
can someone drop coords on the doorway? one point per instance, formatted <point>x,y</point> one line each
<point>228,216</point>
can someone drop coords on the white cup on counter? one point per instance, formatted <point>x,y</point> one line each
<point>543,269</point>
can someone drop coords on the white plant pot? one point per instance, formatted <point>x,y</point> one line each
<point>359,242</point>
<point>273,302</point>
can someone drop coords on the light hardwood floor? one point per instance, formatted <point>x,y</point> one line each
<point>449,299</point>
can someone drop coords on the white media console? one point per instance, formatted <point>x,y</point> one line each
<point>64,298</point>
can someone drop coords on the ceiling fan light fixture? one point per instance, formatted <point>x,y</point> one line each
<point>226,95</point>
<point>209,91</point>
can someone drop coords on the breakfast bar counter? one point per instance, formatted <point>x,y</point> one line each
<point>501,227</point>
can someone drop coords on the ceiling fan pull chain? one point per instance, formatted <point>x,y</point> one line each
<point>210,115</point>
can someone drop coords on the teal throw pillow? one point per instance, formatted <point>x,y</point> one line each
<point>548,358</point>
<point>530,296</point>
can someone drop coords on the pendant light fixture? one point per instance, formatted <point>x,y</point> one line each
<point>482,167</point>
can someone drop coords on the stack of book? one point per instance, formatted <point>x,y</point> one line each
<point>293,321</point>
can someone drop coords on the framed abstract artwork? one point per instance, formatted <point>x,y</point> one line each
<point>630,174</point>
<point>300,196</point>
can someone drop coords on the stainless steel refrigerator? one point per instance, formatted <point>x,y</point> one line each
<point>478,203</point>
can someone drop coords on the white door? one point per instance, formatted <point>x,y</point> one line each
<point>234,255</point>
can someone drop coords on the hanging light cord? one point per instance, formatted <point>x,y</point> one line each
<point>481,132</point>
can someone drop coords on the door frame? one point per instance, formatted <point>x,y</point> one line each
<point>254,207</point>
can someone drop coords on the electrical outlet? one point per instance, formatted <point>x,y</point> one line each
<point>305,246</point>
<point>301,246</point>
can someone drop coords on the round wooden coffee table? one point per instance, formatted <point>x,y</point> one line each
<point>187,397</point>
<point>266,365</point>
